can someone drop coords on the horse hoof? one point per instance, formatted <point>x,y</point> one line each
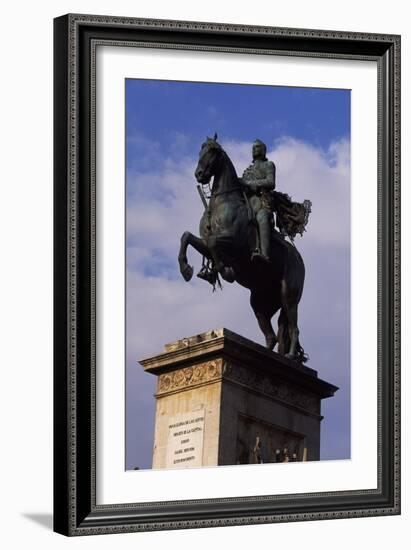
<point>289,356</point>
<point>228,274</point>
<point>187,272</point>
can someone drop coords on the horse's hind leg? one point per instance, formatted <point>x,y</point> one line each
<point>293,331</point>
<point>289,322</point>
<point>282,333</point>
<point>262,312</point>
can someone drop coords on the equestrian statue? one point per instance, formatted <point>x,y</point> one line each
<point>247,235</point>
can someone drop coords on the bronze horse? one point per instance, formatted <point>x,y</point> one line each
<point>227,237</point>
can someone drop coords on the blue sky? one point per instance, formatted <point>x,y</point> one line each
<point>164,111</point>
<point>307,132</point>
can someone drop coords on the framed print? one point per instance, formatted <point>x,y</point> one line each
<point>227,280</point>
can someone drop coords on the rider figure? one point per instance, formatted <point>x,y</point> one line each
<point>259,181</point>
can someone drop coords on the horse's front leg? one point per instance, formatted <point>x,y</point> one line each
<point>264,309</point>
<point>215,244</point>
<point>198,244</point>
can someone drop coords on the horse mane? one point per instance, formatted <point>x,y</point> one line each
<point>215,145</point>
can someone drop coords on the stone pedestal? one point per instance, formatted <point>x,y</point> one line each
<point>222,400</point>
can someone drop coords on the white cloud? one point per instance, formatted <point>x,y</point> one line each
<point>306,172</point>
<point>160,310</point>
<point>164,203</point>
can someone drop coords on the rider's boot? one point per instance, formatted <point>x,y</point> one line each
<point>264,229</point>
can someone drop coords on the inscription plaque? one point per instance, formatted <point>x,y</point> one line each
<point>185,440</point>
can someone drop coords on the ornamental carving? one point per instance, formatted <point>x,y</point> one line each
<point>268,386</point>
<point>190,376</point>
<point>217,369</point>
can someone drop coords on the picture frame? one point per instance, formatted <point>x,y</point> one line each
<point>76,511</point>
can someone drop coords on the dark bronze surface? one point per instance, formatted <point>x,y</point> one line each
<point>239,242</point>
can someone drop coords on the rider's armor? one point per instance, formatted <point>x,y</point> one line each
<point>261,175</point>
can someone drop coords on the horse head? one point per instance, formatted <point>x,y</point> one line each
<point>209,161</point>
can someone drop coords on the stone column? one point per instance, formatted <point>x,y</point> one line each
<point>223,399</point>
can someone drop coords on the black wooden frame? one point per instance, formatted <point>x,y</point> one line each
<point>75,40</point>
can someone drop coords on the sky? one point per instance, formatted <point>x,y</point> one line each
<point>307,132</point>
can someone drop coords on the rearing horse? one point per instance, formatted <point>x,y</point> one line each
<point>227,237</point>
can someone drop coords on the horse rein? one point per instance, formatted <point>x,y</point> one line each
<point>226,191</point>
